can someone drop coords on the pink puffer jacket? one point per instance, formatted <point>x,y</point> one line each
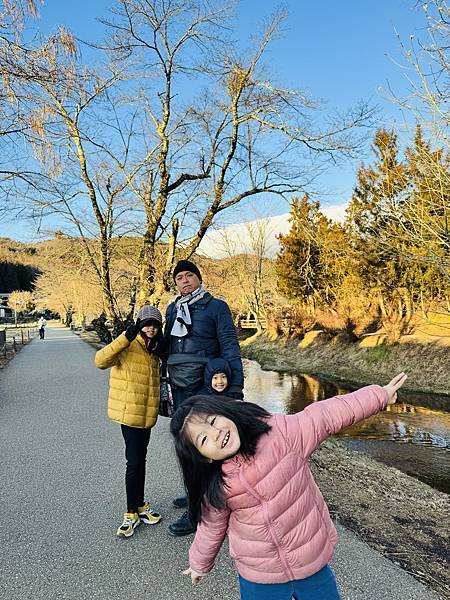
<point>277,522</point>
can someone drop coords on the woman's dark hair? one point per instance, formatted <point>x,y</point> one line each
<point>204,479</point>
<point>157,344</point>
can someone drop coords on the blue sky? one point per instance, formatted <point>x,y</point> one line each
<point>341,51</point>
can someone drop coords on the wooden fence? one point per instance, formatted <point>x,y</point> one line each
<point>250,323</point>
<point>12,338</point>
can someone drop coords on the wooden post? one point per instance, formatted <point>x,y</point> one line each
<point>3,340</point>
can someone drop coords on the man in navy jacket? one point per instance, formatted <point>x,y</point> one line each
<point>198,327</point>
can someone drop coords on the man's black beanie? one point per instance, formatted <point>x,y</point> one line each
<point>186,265</point>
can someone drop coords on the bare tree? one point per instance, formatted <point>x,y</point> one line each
<point>65,290</point>
<point>130,148</point>
<point>13,16</point>
<point>79,174</point>
<point>251,270</point>
<point>424,216</point>
<point>20,302</point>
<point>240,139</point>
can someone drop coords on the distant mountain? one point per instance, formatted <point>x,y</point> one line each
<point>240,238</point>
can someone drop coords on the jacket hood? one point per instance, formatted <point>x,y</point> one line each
<point>213,366</point>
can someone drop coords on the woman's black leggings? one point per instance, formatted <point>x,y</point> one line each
<point>136,442</point>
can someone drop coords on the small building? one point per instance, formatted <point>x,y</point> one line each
<point>5,310</point>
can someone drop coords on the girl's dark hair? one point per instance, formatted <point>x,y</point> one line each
<point>204,479</point>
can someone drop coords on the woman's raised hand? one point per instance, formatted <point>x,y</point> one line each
<point>132,331</point>
<point>195,577</point>
<point>392,387</point>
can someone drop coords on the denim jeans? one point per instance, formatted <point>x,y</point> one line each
<point>320,586</point>
<point>136,442</point>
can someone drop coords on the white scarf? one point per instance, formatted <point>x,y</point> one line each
<point>183,322</point>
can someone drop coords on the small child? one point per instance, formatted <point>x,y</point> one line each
<point>217,377</point>
<point>247,475</point>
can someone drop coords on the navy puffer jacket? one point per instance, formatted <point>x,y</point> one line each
<point>213,335</point>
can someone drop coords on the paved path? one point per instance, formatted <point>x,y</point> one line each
<point>62,495</point>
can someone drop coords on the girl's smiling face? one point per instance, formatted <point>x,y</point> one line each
<point>214,436</point>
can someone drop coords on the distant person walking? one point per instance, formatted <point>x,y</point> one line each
<point>134,358</point>
<point>42,323</point>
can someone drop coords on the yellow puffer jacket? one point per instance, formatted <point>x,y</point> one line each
<point>134,382</point>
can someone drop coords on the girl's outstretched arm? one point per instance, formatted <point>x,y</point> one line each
<point>307,429</point>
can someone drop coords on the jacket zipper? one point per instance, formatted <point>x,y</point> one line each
<point>143,347</point>
<point>272,533</point>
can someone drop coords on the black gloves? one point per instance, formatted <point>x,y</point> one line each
<point>132,331</point>
<point>235,392</point>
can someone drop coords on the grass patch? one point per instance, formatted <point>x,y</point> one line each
<point>378,354</point>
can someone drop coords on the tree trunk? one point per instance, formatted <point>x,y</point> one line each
<point>382,305</point>
<point>147,270</point>
<point>108,297</point>
<point>408,304</point>
<point>422,305</point>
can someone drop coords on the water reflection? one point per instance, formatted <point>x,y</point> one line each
<point>413,438</point>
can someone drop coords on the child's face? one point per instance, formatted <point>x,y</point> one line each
<point>214,436</point>
<point>219,382</point>
<point>151,329</point>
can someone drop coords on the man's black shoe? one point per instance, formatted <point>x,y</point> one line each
<point>184,526</point>
<point>180,502</point>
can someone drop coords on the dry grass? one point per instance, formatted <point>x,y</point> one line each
<point>397,515</point>
<point>428,366</point>
<point>91,338</point>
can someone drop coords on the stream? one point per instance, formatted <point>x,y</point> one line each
<point>412,435</point>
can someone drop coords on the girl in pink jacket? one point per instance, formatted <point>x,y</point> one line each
<point>247,476</point>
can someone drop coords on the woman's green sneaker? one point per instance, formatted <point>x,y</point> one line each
<point>147,515</point>
<point>129,524</point>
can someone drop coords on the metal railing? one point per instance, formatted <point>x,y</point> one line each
<point>12,338</point>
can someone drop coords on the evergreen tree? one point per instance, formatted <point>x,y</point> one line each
<point>398,218</point>
<point>298,265</point>
<point>376,236</point>
<point>427,216</point>
<point>16,276</point>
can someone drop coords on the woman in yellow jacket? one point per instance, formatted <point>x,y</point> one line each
<point>134,358</point>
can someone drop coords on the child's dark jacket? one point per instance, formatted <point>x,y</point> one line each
<point>214,366</point>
